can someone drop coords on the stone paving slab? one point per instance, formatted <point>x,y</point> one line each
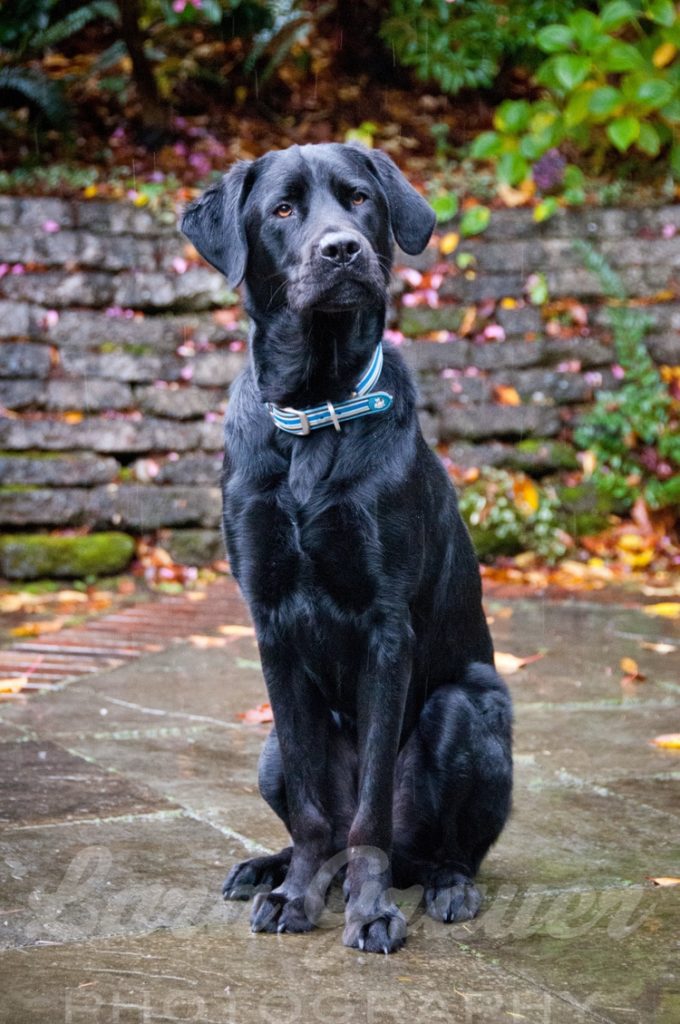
<point>227,976</point>
<point>113,845</point>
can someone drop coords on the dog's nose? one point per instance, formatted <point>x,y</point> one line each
<point>340,247</point>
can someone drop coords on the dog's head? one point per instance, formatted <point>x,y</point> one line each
<point>311,227</point>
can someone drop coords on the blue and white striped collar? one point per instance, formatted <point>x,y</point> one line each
<point>363,402</point>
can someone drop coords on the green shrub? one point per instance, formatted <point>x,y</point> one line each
<point>508,512</point>
<point>465,44</point>
<point>633,433</point>
<point>611,84</point>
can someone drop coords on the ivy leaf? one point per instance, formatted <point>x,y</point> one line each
<point>512,168</point>
<point>545,209</point>
<point>620,56</point>
<point>488,144</point>
<point>572,69</point>
<point>623,132</point>
<point>554,38</point>
<point>475,220</point>
<point>445,206</point>
<point>616,13</point>
<point>605,100</point>
<point>577,108</point>
<point>662,12</point>
<point>648,139</point>
<point>512,116</point>
<point>654,92</point>
<point>586,26</point>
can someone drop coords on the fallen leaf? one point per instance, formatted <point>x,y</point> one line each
<point>505,394</point>
<point>262,713</point>
<point>236,631</point>
<point>37,628</point>
<point>196,595</point>
<point>664,881</point>
<point>588,461</point>
<point>449,243</point>
<point>658,648</point>
<point>204,642</point>
<point>516,196</point>
<point>468,321</point>
<point>669,741</point>
<point>508,664</point>
<point>633,673</point>
<point>667,609</point>
<point>525,494</point>
<point>13,684</point>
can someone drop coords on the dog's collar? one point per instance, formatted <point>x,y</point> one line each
<point>362,403</point>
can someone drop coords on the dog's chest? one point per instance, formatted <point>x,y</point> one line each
<point>315,559</point>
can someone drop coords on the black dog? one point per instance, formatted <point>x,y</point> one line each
<point>392,735</point>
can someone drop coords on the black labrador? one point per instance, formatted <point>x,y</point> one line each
<point>392,735</point>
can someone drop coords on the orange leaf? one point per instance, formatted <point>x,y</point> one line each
<point>516,196</point>
<point>205,642</point>
<point>73,417</point>
<point>669,741</point>
<point>449,243</point>
<point>633,673</point>
<point>505,394</point>
<point>236,631</point>
<point>508,664</point>
<point>262,713</point>
<point>664,881</point>
<point>468,321</point>
<point>658,648</point>
<point>37,628</point>
<point>667,609</point>
<point>13,684</point>
<point>526,495</point>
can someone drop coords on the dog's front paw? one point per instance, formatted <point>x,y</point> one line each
<point>251,876</point>
<point>276,912</point>
<point>453,900</point>
<point>383,931</point>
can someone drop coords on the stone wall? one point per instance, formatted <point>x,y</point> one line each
<point>117,348</point>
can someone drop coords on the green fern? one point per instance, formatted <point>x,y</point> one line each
<point>39,91</point>
<point>74,22</point>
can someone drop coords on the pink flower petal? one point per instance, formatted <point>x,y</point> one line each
<point>50,226</point>
<point>179,265</point>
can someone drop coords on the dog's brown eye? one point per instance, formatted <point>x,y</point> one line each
<point>283,210</point>
<point>358,198</point>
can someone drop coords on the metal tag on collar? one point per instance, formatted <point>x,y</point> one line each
<point>302,416</point>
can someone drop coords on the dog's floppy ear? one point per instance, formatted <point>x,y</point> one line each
<point>214,224</point>
<point>411,216</point>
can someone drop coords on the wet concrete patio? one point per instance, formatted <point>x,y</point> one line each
<point>125,796</point>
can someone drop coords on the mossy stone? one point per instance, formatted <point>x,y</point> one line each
<point>193,547</point>
<point>538,455</point>
<point>586,510</point>
<point>32,556</point>
<point>419,320</point>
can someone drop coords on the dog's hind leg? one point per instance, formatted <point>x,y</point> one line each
<point>454,782</point>
<point>262,874</point>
